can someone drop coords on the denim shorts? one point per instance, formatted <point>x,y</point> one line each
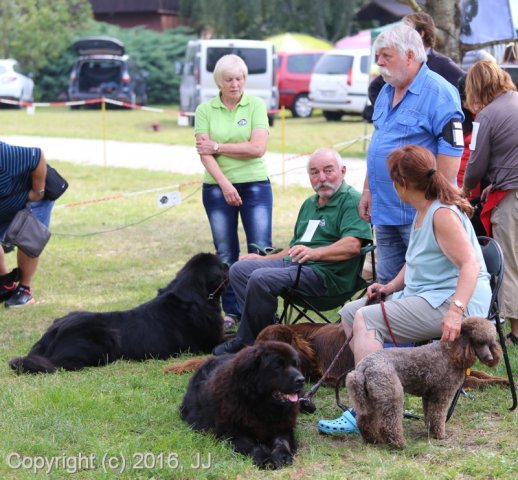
<point>42,211</point>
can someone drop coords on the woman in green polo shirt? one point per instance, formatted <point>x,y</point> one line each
<point>231,133</point>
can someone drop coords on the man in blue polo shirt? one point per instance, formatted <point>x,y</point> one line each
<point>22,179</point>
<point>415,106</point>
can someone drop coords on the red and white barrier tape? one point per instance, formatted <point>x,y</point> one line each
<point>74,103</point>
<point>118,196</point>
<point>50,104</point>
<point>132,105</point>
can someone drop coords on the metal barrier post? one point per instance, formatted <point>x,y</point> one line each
<point>283,145</point>
<point>103,124</point>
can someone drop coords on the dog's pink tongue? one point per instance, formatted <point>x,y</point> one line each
<point>292,397</point>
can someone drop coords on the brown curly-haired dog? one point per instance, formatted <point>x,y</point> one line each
<point>434,372</point>
<point>317,345</point>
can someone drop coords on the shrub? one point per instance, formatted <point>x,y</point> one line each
<point>154,52</point>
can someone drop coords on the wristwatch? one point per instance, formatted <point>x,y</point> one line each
<point>215,147</point>
<point>39,192</point>
<point>459,304</point>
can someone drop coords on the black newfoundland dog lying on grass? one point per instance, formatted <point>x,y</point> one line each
<point>252,399</point>
<point>185,316</point>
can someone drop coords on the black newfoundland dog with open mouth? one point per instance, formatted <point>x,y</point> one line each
<point>251,399</point>
<point>185,316</point>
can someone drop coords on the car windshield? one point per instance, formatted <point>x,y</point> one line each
<point>255,58</point>
<point>334,64</point>
<point>303,63</point>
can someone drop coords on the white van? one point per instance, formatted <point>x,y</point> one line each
<point>198,84</point>
<point>340,81</point>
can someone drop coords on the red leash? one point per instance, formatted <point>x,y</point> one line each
<point>382,303</point>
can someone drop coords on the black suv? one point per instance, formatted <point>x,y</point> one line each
<point>104,70</point>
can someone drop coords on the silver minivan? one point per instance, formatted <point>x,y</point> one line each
<point>340,81</point>
<point>197,84</point>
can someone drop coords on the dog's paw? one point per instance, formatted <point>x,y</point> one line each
<point>281,459</point>
<point>282,453</point>
<point>261,457</point>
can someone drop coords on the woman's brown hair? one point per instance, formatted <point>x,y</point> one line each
<point>484,82</point>
<point>415,166</point>
<point>425,26</point>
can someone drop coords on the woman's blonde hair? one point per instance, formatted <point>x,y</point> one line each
<point>484,82</point>
<point>229,63</point>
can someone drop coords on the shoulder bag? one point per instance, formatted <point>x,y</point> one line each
<point>55,184</point>
<point>27,233</point>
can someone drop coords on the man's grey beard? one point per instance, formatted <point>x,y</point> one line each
<point>333,187</point>
<point>385,73</point>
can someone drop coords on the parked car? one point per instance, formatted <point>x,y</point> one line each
<point>340,81</point>
<point>14,84</point>
<point>294,74</point>
<point>197,84</point>
<point>512,69</point>
<point>103,69</point>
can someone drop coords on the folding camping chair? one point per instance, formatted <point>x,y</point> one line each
<point>494,260</point>
<point>303,305</point>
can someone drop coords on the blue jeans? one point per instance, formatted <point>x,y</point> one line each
<point>256,217</point>
<point>391,244</point>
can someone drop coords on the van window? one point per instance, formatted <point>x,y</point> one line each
<point>334,64</point>
<point>302,63</point>
<point>364,64</point>
<point>255,58</point>
<point>188,66</point>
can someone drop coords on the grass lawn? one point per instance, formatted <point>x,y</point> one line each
<point>114,255</point>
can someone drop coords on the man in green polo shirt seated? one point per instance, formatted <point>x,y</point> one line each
<point>328,231</point>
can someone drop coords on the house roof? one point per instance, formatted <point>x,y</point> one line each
<point>134,6</point>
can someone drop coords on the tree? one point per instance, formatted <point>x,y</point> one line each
<point>36,31</point>
<point>446,15</point>
<point>328,19</point>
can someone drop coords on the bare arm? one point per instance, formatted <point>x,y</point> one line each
<point>342,249</point>
<point>454,242</point>
<point>395,285</point>
<point>38,180</point>
<point>209,162</point>
<point>364,207</point>
<point>272,256</point>
<point>253,148</point>
<point>448,166</point>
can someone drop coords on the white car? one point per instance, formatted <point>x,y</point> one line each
<point>339,82</point>
<point>14,85</point>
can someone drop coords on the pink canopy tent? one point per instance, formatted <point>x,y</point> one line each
<point>360,40</point>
